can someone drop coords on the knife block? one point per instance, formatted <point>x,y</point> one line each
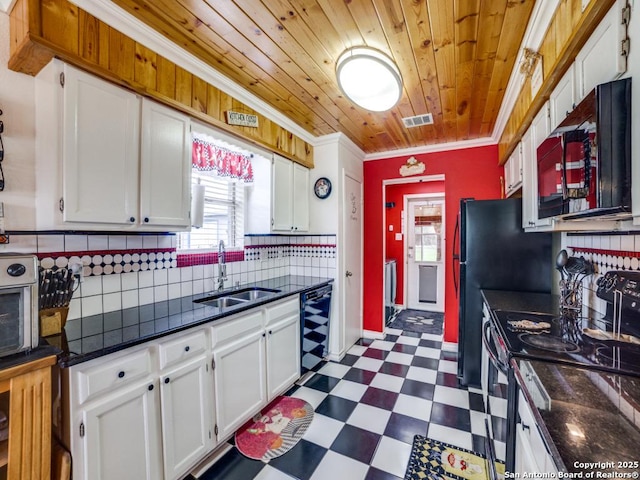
<point>53,320</point>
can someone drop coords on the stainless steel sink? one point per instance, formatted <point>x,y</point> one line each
<point>221,302</point>
<point>237,297</point>
<point>252,293</point>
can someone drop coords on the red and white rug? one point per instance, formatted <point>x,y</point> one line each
<point>275,430</point>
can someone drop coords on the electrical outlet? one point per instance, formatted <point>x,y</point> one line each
<point>1,209</point>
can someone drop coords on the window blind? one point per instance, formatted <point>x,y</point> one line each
<point>223,215</point>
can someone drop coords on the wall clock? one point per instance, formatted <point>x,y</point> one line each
<point>322,188</point>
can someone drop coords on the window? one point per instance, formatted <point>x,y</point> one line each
<point>428,232</point>
<point>223,214</point>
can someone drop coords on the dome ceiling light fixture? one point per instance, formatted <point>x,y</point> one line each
<point>369,78</point>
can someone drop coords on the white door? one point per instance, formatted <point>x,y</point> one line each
<point>283,354</point>
<point>239,377</point>
<point>187,416</point>
<point>352,260</point>
<point>165,162</point>
<point>100,150</point>
<point>424,256</point>
<point>121,436</point>
<point>281,194</point>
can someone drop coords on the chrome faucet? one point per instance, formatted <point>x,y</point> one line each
<point>222,265</point>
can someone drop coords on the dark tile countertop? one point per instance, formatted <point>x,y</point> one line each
<point>522,301</point>
<point>591,417</point>
<point>92,337</point>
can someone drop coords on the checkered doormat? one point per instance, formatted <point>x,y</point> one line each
<point>434,460</point>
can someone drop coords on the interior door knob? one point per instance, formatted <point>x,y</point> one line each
<point>348,274</point>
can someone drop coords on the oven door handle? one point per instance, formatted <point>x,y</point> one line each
<point>490,452</point>
<point>493,355</point>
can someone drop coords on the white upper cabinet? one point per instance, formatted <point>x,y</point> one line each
<point>601,59</point>
<point>513,171</point>
<point>289,196</point>
<point>165,161</point>
<point>563,98</point>
<point>539,130</point>
<point>101,165</point>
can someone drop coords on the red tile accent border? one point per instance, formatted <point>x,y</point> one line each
<point>191,259</point>
<point>600,251</point>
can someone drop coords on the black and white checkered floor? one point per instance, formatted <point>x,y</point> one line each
<point>368,407</point>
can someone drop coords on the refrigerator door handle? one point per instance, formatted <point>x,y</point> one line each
<point>456,254</point>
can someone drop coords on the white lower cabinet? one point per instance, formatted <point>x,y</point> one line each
<point>154,411</point>
<point>532,453</point>
<point>239,379</point>
<point>283,347</point>
<point>187,416</point>
<point>256,357</point>
<point>120,436</point>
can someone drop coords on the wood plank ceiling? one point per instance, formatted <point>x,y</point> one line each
<point>455,57</point>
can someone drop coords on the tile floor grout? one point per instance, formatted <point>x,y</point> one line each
<point>368,407</point>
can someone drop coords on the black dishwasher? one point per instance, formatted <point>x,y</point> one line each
<point>315,306</point>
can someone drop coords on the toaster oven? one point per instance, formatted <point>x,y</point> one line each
<point>18,303</point>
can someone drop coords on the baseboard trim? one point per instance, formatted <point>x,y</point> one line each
<point>372,334</point>
<point>450,346</point>
<point>336,357</point>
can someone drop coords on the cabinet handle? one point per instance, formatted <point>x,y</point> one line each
<point>264,334</point>
<point>525,427</point>
<point>348,274</point>
<point>146,219</point>
<point>167,380</point>
<point>187,348</point>
<point>150,387</point>
<point>270,332</point>
<point>132,219</point>
<point>120,374</point>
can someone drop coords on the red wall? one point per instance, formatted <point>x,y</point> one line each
<point>472,172</point>
<point>393,216</point>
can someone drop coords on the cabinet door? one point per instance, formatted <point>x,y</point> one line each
<point>600,59</point>
<point>100,150</point>
<point>165,167</point>
<point>281,192</point>
<point>539,132</point>
<point>122,436</point>
<point>529,183</point>
<point>283,354</point>
<point>562,99</point>
<point>239,377</point>
<point>300,200</point>
<point>513,172</point>
<point>187,416</point>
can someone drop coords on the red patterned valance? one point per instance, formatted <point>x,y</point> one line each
<point>220,158</point>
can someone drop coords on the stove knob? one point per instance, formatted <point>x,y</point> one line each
<point>633,304</point>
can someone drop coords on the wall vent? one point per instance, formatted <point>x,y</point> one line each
<point>418,120</point>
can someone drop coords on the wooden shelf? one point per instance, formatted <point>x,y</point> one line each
<point>4,453</point>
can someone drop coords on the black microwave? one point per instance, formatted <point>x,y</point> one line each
<point>584,166</point>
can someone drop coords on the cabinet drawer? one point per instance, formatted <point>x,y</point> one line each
<point>111,374</point>
<point>236,326</point>
<point>182,348</point>
<point>286,308</point>
<point>532,433</point>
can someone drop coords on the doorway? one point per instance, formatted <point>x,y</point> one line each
<point>424,252</point>
<point>396,195</point>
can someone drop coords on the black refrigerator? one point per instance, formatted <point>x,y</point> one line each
<point>493,252</point>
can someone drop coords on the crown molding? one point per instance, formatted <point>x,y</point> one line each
<point>438,147</point>
<point>6,5</point>
<point>541,16</point>
<point>126,23</point>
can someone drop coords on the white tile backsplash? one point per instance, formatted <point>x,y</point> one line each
<point>145,279</point>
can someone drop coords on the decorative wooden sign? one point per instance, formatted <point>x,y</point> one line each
<point>242,119</point>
